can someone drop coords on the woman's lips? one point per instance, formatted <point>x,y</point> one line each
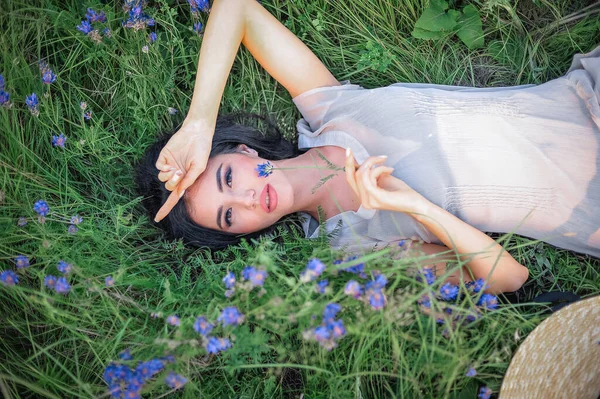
<point>270,192</point>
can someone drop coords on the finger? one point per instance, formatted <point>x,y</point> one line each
<point>191,176</point>
<point>162,163</point>
<point>174,181</point>
<point>351,171</point>
<point>379,171</point>
<point>167,206</point>
<point>165,176</point>
<point>369,163</point>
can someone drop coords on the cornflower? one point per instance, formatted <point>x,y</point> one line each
<point>198,28</point>
<point>76,219</point>
<point>9,278</point>
<point>256,276</point>
<point>199,5</point>
<point>125,355</point>
<point>87,115</point>
<point>216,345</point>
<point>448,292</point>
<point>322,334</point>
<point>137,19</point>
<point>145,49</point>
<point>426,274</point>
<point>62,285</point>
<point>471,373</point>
<point>337,328</point>
<point>59,141</point>
<point>64,267</point>
<point>202,326</point>
<point>484,393</point>
<point>175,381</point>
<point>229,280</point>
<point>22,221</point>
<point>356,269</point>
<point>109,281</point>
<point>22,262</point>
<point>72,229</point>
<point>41,207</point>
<point>314,268</point>
<point>152,37</point>
<point>330,311</point>
<point>353,288</point>
<point>263,169</point>
<point>83,105</point>
<point>149,368</point>
<point>4,97</point>
<point>377,299</point>
<point>94,16</point>
<point>85,27</point>
<point>33,104</point>
<point>1,82</point>
<point>321,285</point>
<point>476,285</point>
<point>231,316</point>
<point>173,320</point>
<point>107,32</point>
<point>48,77</point>
<point>172,111</point>
<point>488,301</point>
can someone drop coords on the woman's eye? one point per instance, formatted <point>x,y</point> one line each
<point>228,217</point>
<point>228,177</point>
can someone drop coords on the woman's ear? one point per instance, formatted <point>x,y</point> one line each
<point>244,149</point>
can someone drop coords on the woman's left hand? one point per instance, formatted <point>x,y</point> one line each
<point>378,189</point>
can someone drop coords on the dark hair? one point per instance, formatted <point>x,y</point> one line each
<point>269,144</point>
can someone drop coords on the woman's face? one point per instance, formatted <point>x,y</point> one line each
<point>230,196</point>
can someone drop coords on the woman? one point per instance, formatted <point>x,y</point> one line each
<point>459,160</point>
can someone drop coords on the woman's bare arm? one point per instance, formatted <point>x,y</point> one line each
<point>282,54</point>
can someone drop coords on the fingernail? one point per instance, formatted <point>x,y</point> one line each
<point>181,195</point>
<point>383,156</point>
<point>348,151</point>
<point>179,173</point>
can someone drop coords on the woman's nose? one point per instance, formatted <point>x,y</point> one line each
<point>246,198</point>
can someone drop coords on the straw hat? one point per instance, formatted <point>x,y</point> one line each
<point>560,358</point>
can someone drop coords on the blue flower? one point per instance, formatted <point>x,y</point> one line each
<point>22,262</point>
<point>202,326</point>
<point>231,316</point>
<point>175,381</point>
<point>484,393</point>
<point>83,105</point>
<point>199,5</point>
<point>477,285</point>
<point>59,141</point>
<point>377,300</point>
<point>172,111</point>
<point>1,82</point>
<point>152,37</point>
<point>488,301</point>
<point>9,278</point>
<point>76,219</point>
<point>322,333</point>
<point>356,269</point>
<point>321,285</point>
<point>109,281</point>
<point>48,77</point>
<point>33,104</point>
<point>379,283</point>
<point>149,368</point>
<point>425,300</point>
<point>216,345</point>
<point>427,274</point>
<point>94,16</point>
<point>448,292</point>
<point>264,169</point>
<point>471,373</point>
<point>198,28</point>
<point>4,97</point>
<point>107,32</point>
<point>330,311</point>
<point>256,276</point>
<point>62,285</point>
<point>64,267</point>
<point>173,320</point>
<point>229,280</point>
<point>85,27</point>
<point>353,288</point>
<point>314,268</point>
<point>337,328</point>
<point>41,207</point>
<point>22,221</point>
<point>87,115</point>
<point>72,229</point>
<point>125,355</point>
<point>50,281</point>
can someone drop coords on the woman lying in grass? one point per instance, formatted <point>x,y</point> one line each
<point>431,163</point>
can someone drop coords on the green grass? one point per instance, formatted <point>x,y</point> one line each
<point>58,346</point>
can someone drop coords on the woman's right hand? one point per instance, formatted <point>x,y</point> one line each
<point>182,160</point>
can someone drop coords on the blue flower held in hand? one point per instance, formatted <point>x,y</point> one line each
<point>264,169</point>
<point>448,292</point>
<point>175,381</point>
<point>202,326</point>
<point>22,262</point>
<point>59,141</point>
<point>231,316</point>
<point>41,207</point>
<point>9,278</point>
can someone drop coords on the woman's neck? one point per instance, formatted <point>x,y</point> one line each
<point>318,179</point>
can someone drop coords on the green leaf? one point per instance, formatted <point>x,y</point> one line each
<point>436,19</point>
<point>469,28</point>
<point>428,35</point>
